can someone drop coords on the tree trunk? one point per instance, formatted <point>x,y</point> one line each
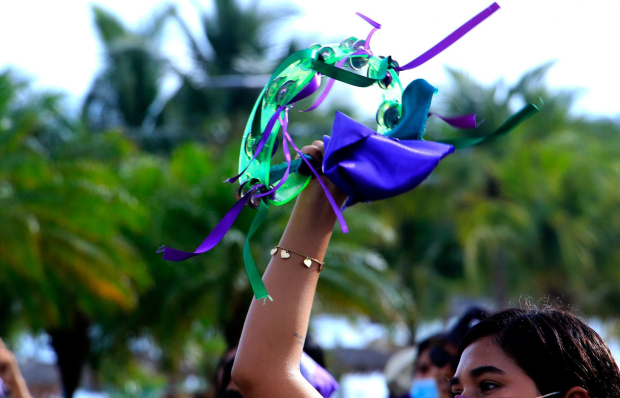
<point>500,278</point>
<point>72,347</point>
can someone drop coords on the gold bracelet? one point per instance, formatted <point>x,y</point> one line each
<point>286,253</point>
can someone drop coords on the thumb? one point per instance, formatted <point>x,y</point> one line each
<point>2,345</point>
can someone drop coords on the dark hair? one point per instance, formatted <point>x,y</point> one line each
<point>438,343</point>
<point>554,348</point>
<point>314,350</point>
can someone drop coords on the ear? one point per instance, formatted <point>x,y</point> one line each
<point>577,392</point>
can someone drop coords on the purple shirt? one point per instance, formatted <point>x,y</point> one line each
<point>320,378</point>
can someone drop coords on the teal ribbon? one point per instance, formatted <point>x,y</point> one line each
<point>276,172</point>
<point>416,99</point>
<point>511,123</point>
<point>256,281</point>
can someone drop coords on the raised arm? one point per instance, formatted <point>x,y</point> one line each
<point>267,362</point>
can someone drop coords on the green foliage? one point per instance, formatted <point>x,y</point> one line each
<point>528,214</point>
<point>63,215</point>
<point>85,203</point>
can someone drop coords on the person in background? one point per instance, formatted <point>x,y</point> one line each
<point>225,387</point>
<point>438,358</point>
<point>424,371</point>
<point>11,380</point>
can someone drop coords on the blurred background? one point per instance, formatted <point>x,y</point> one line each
<point>119,120</point>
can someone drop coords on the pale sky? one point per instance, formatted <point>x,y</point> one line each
<point>53,42</point>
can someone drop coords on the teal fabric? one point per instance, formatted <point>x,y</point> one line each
<point>417,99</point>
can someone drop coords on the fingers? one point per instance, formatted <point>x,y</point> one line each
<point>315,150</point>
<point>320,145</point>
<point>2,345</point>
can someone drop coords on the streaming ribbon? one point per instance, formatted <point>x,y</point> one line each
<point>215,236</point>
<point>450,39</point>
<point>282,173</point>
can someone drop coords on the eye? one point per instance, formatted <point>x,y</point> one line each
<point>423,369</point>
<point>486,386</point>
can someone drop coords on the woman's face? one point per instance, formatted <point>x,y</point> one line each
<point>486,371</point>
<point>426,368</point>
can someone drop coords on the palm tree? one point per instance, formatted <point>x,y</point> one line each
<point>64,259</point>
<point>128,91</point>
<point>232,63</point>
<point>529,213</point>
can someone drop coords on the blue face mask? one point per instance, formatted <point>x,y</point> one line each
<point>424,388</point>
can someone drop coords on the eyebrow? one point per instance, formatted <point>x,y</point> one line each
<point>479,371</point>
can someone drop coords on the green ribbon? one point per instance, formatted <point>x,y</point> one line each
<point>256,281</point>
<point>343,75</point>
<point>511,123</point>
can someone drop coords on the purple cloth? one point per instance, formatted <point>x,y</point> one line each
<point>369,166</point>
<point>316,375</point>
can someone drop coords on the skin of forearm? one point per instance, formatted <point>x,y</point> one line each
<point>274,332</point>
<point>19,389</point>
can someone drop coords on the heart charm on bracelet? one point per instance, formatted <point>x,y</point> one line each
<point>274,251</point>
<point>284,254</point>
<point>308,262</point>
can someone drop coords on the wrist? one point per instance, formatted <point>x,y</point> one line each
<point>314,196</point>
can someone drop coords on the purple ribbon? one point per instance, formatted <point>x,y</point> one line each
<point>331,82</point>
<point>215,236</point>
<point>374,24</point>
<point>310,88</point>
<point>341,221</point>
<point>463,122</point>
<point>453,37</point>
<point>261,143</point>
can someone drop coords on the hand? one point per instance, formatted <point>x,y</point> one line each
<point>10,373</point>
<point>314,192</point>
